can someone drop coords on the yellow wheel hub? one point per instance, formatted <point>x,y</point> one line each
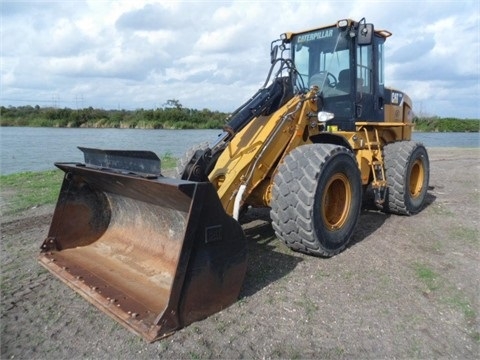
<point>417,177</point>
<point>336,201</point>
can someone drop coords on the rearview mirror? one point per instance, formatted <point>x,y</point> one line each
<point>365,34</point>
<point>273,54</point>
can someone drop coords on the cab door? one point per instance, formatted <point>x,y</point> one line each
<point>369,101</point>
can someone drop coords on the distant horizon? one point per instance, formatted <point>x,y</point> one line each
<point>223,112</point>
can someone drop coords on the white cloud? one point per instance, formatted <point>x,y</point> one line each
<point>215,54</point>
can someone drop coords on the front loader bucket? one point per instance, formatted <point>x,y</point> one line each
<point>154,253</point>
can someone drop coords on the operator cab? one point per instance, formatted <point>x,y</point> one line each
<point>345,61</point>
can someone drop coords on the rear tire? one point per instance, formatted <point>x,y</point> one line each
<point>316,199</point>
<point>407,171</point>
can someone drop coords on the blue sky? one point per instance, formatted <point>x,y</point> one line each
<point>215,54</point>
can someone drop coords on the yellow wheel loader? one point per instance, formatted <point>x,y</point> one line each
<point>159,253</point>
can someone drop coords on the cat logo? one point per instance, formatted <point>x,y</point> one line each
<point>315,36</point>
<point>396,98</point>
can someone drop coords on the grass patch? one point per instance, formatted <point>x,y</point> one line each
<point>447,294</point>
<point>308,306</point>
<point>466,234</point>
<point>29,189</point>
<point>429,277</point>
<point>460,302</point>
<point>26,190</point>
<point>168,161</point>
<point>441,209</point>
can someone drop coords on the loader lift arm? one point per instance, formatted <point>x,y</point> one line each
<point>265,101</point>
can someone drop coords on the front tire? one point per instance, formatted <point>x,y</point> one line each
<point>316,199</point>
<point>407,171</point>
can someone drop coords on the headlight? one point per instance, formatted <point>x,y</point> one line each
<point>342,23</point>
<point>324,116</point>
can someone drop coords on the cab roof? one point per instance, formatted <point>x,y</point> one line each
<point>343,23</point>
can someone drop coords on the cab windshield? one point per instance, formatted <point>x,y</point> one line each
<point>322,58</point>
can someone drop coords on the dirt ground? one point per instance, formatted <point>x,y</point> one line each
<point>406,287</point>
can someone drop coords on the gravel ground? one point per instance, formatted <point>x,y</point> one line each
<point>406,287</point>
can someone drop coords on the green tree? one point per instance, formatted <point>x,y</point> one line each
<point>173,103</point>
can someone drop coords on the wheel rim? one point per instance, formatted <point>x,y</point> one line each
<point>417,176</point>
<point>336,201</point>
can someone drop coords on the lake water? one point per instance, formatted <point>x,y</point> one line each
<point>36,149</point>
